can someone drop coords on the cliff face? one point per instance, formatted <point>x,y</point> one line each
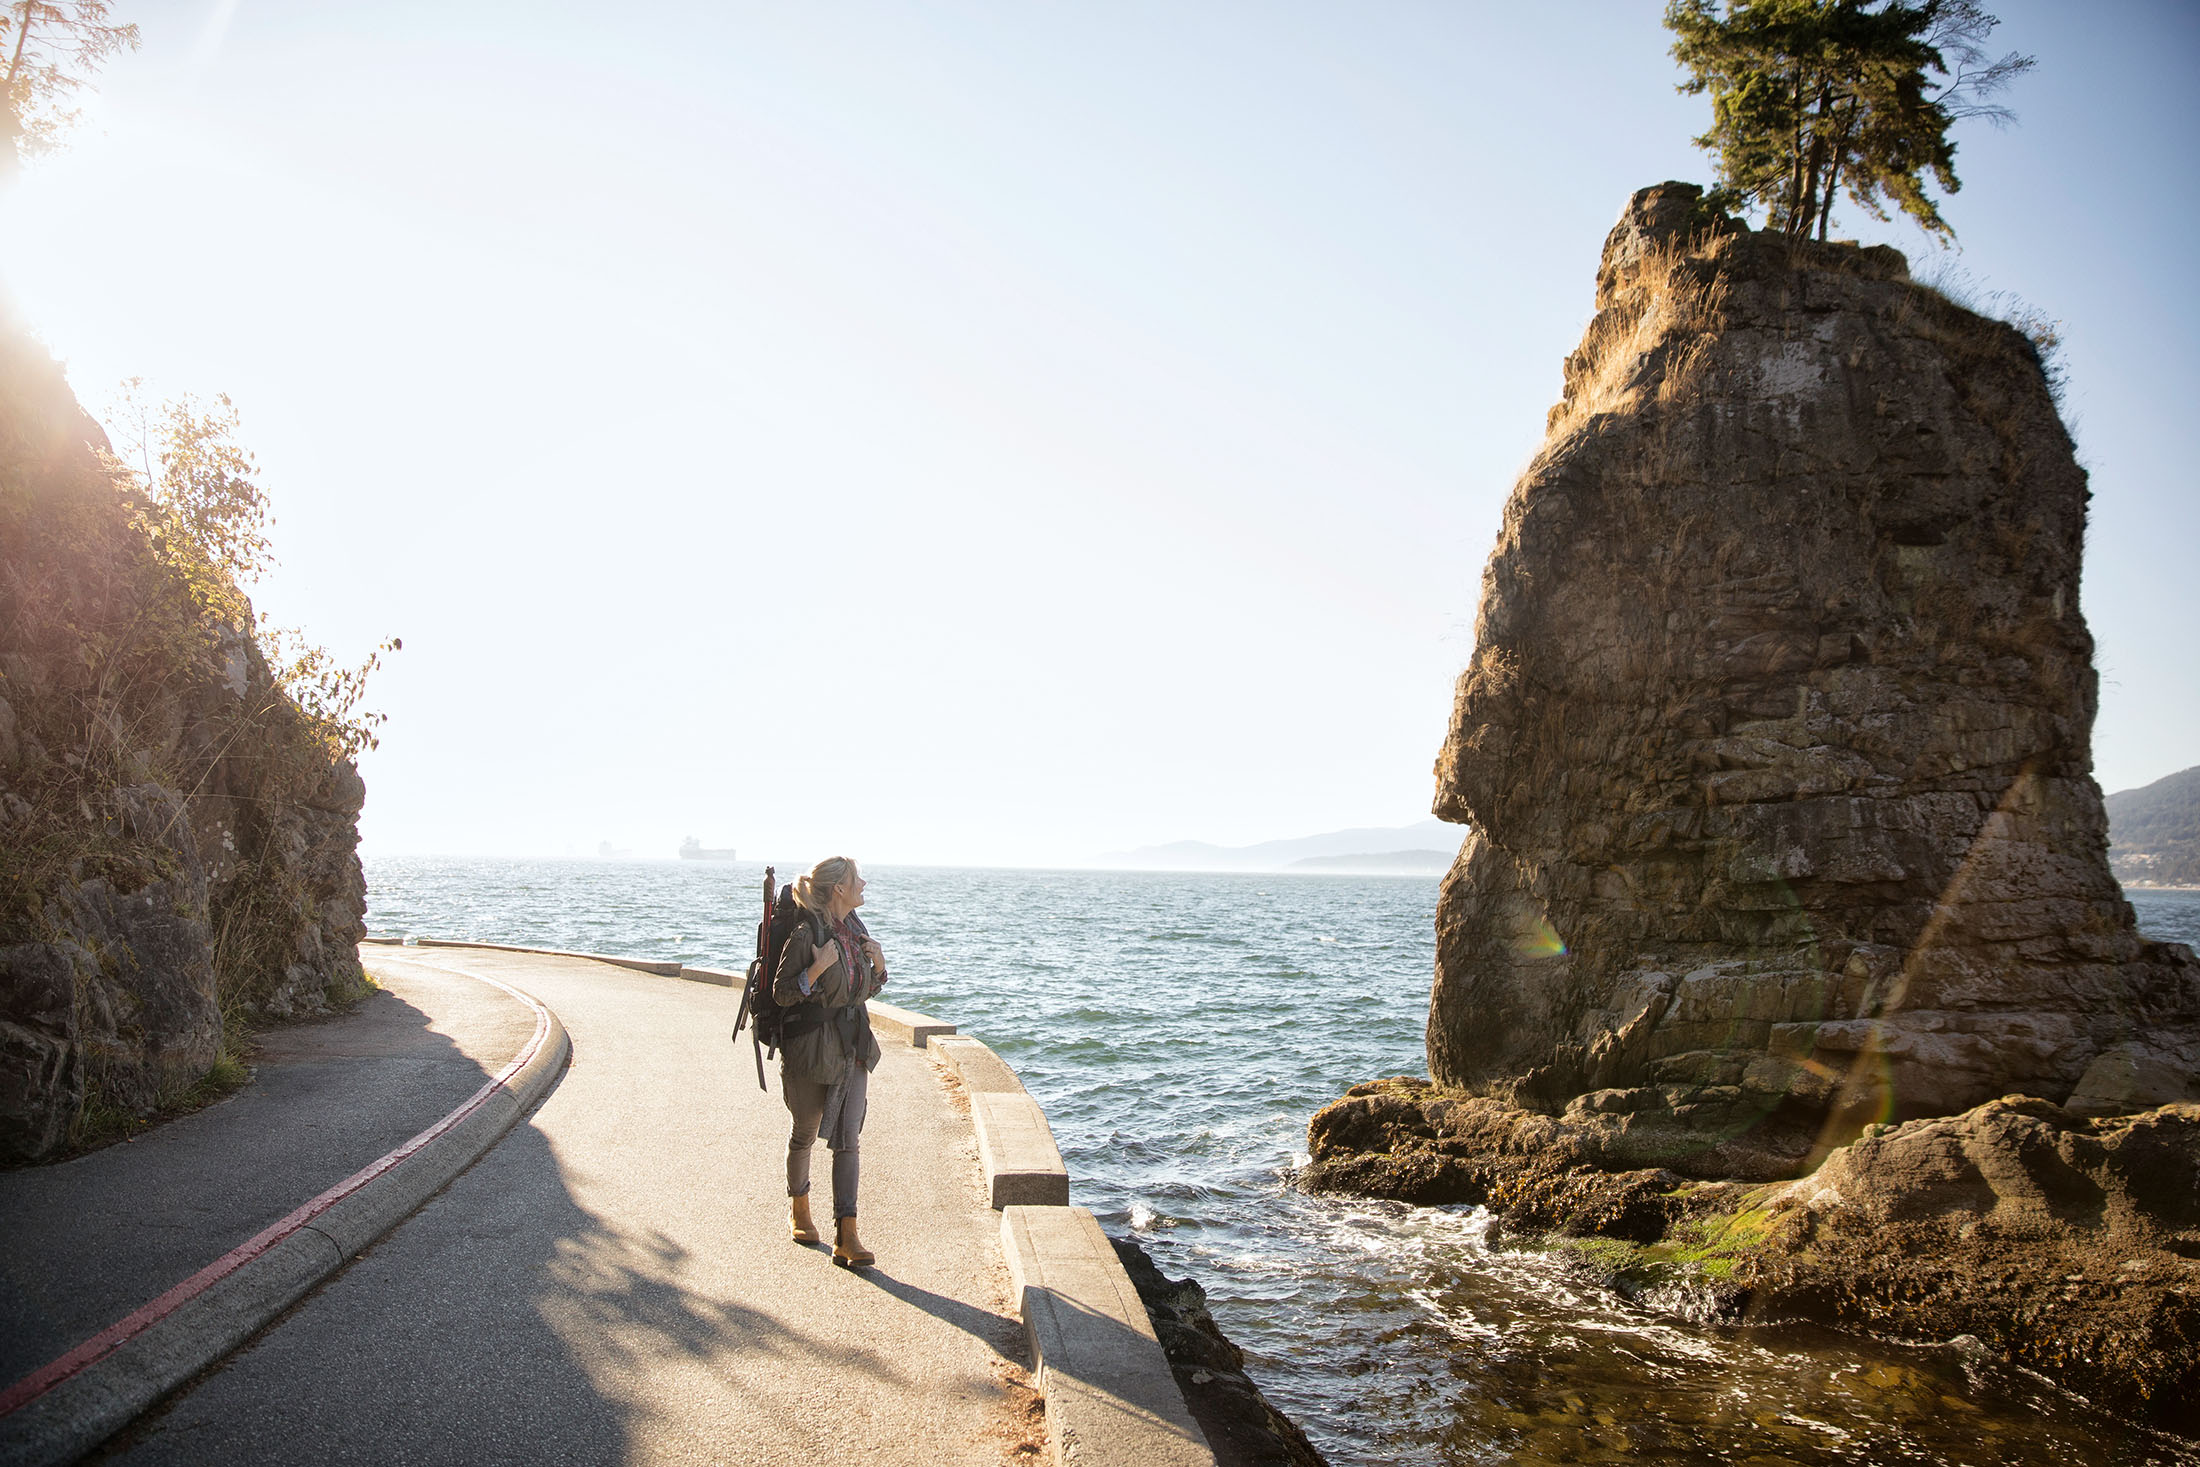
<point>177,841</point>
<point>1775,741</point>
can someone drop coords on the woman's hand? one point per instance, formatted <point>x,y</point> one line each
<point>822,959</point>
<point>874,955</point>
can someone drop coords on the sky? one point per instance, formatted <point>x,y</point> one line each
<point>994,433</point>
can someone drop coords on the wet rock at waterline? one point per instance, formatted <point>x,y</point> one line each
<point>1403,1139</point>
<point>2066,1244</point>
<point>1240,1425</point>
<point>1775,743</point>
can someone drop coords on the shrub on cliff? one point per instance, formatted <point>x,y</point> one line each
<point>196,498</point>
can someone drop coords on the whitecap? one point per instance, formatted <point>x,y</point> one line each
<point>1827,1427</point>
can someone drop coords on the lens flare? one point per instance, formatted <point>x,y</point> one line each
<point>1868,1093</point>
<point>1541,940</point>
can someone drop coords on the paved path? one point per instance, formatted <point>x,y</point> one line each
<point>90,1240</point>
<point>613,1282</point>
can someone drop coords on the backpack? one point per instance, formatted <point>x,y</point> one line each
<point>766,1020</point>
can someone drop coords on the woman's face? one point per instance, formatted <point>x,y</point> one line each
<point>851,890</point>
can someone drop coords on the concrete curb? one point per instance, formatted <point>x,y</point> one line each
<point>64,1410</point>
<point>1016,1147</point>
<point>639,965</point>
<point>1111,1398</point>
<point>916,1029</point>
<point>718,976</point>
<point>1023,1166</point>
<point>981,1070</point>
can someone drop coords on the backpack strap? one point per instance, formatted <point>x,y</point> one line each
<point>800,1018</point>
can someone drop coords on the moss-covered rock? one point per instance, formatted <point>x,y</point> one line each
<point>2063,1243</point>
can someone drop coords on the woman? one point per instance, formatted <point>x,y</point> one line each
<point>827,968</point>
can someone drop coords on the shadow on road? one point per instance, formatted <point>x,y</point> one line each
<point>1001,1335</point>
<point>506,1323</point>
<point>93,1238</point>
<point>616,1300</point>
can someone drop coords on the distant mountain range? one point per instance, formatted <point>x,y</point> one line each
<point>2154,840</point>
<point>1386,863</point>
<point>1424,847</point>
<point>2154,832</point>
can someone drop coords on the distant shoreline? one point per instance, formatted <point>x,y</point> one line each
<point>581,859</point>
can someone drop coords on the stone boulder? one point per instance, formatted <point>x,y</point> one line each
<point>2026,1167</point>
<point>1775,742</point>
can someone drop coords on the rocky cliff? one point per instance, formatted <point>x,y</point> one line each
<point>1775,740</point>
<point>177,840</point>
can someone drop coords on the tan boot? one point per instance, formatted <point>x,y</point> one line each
<point>798,1216</point>
<point>848,1249</point>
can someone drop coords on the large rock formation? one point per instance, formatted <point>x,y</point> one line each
<point>178,842</point>
<point>1775,741</point>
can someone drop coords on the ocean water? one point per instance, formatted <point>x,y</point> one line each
<point>1180,1030</point>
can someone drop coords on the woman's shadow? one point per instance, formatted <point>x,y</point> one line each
<point>1000,1334</point>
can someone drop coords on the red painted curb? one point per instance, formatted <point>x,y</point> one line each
<point>115,1335</point>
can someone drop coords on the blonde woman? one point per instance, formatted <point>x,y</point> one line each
<point>828,967</point>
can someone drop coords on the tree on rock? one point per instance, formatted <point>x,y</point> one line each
<point>1814,97</point>
<point>50,49</point>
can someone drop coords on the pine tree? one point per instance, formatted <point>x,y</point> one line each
<point>1810,98</point>
<point>49,49</point>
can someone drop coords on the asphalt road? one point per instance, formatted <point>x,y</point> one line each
<point>613,1282</point>
<point>89,1240</point>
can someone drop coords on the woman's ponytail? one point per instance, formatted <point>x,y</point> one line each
<point>815,890</point>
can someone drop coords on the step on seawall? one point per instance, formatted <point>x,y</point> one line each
<point>980,1069</point>
<point>914,1029</point>
<point>1112,1400</point>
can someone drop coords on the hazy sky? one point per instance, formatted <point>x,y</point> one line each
<point>986,432</point>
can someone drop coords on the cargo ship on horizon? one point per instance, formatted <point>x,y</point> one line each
<point>692,849</point>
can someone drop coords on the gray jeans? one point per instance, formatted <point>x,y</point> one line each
<point>839,1110</point>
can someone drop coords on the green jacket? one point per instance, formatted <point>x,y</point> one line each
<point>827,1027</point>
